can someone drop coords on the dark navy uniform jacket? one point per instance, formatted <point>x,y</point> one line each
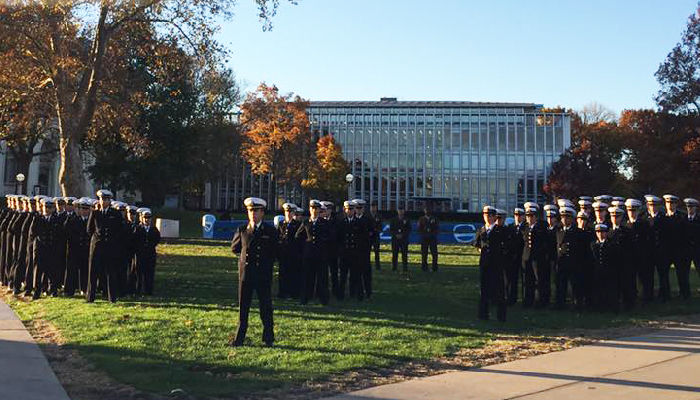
<point>258,249</point>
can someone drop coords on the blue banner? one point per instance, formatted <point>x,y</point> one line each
<point>450,232</point>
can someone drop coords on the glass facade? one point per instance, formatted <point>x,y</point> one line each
<point>470,153</point>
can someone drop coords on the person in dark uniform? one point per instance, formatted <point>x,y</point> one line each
<point>693,231</point>
<point>106,229</point>
<point>328,213</point>
<point>676,238</point>
<point>316,233</point>
<point>350,260</point>
<point>553,225</point>
<point>400,228</point>
<point>7,240</point>
<point>365,234</point>
<point>620,236</point>
<point>514,267</point>
<point>7,215</point>
<point>490,242</point>
<point>428,228</point>
<point>655,218</point>
<point>605,260</point>
<point>641,253</point>
<point>571,249</point>
<point>288,278</point>
<point>62,214</point>
<point>78,248</point>
<point>377,228</point>
<point>19,244</point>
<point>47,233</point>
<point>534,258</point>
<point>257,245</point>
<point>146,238</point>
<point>587,265</point>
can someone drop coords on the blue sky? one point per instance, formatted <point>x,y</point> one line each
<point>565,52</point>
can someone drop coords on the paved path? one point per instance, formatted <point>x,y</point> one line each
<point>664,364</point>
<point>24,372</point>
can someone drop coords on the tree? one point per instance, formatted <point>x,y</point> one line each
<point>276,135</point>
<point>327,174</point>
<point>26,114</point>
<point>72,42</point>
<point>679,74</point>
<point>661,151</point>
<point>595,113</point>
<point>593,163</point>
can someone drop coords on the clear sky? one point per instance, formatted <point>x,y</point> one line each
<point>562,52</point>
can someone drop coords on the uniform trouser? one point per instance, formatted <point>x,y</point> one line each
<point>358,264</point>
<point>334,269</point>
<point>20,269</point>
<point>348,266</point>
<point>492,290</point>
<point>426,244</point>
<point>245,297</point>
<point>374,246</point>
<point>695,259</point>
<point>289,276</point>
<point>663,268</point>
<point>682,264</point>
<point>315,279</point>
<point>46,270</point>
<point>605,290</point>
<point>543,274</point>
<point>9,259</point>
<point>628,285</point>
<point>104,267</point>
<point>399,246</point>
<point>145,274</point>
<point>645,274</point>
<point>530,283</point>
<point>71,281</point>
<point>284,278</point>
<point>564,275</point>
<point>29,271</point>
<point>512,279</point>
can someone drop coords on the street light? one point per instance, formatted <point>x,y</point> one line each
<point>349,178</point>
<point>20,179</point>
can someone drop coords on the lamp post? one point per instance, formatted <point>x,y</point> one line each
<point>20,179</point>
<point>349,178</point>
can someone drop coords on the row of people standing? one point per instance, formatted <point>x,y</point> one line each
<point>320,256</point>
<point>603,252</point>
<point>77,246</point>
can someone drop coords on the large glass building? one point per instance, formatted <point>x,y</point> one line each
<point>468,153</point>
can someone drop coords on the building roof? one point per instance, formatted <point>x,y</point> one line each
<point>392,102</point>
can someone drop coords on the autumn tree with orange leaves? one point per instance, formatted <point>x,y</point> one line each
<point>327,173</point>
<point>276,135</point>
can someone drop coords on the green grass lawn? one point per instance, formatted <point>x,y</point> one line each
<point>178,338</point>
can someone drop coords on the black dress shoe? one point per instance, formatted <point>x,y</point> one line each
<point>235,343</point>
<point>269,344</point>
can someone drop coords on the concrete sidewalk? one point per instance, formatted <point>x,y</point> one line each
<point>664,364</point>
<point>24,372</point>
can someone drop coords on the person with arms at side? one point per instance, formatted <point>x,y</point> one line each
<point>257,245</point>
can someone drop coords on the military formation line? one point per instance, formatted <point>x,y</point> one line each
<point>608,253</point>
<point>77,246</point>
<point>597,258</point>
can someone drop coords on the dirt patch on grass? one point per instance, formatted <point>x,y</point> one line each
<point>83,381</point>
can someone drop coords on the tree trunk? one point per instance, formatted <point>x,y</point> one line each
<point>71,175</point>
